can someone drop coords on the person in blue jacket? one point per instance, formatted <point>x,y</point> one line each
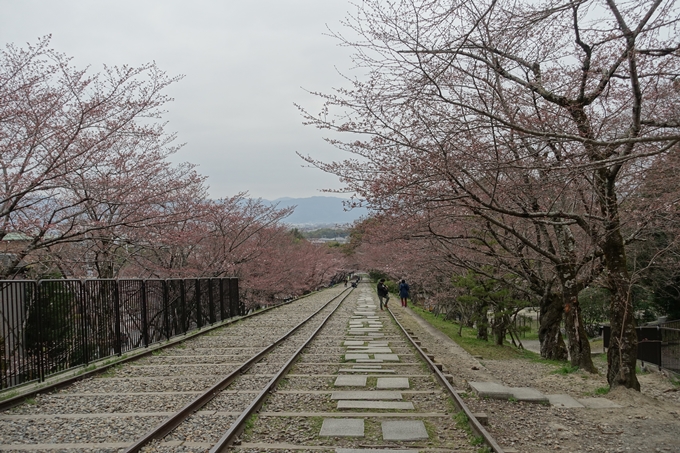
<point>403,292</point>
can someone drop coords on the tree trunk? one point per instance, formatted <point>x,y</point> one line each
<point>552,343</point>
<point>499,328</point>
<point>579,346</point>
<point>622,352</point>
<point>483,323</point>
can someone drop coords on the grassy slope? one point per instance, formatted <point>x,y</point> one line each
<point>471,344</point>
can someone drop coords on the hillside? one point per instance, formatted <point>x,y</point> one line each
<point>319,211</point>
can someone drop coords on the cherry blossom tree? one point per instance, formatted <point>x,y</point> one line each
<point>237,237</point>
<point>528,116</point>
<point>57,125</point>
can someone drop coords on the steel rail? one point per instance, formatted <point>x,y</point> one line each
<point>237,427</point>
<point>169,424</point>
<point>458,401</point>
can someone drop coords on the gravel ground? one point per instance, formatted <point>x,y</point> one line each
<point>299,402</point>
<point>195,359</point>
<point>230,402</point>
<point>69,430</point>
<point>172,371</point>
<point>649,421</point>
<point>186,352</point>
<point>201,427</point>
<point>144,384</point>
<point>95,404</point>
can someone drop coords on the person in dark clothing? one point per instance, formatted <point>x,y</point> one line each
<point>383,293</point>
<point>403,292</point>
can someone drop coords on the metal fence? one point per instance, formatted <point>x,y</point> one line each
<point>49,326</point>
<point>659,345</point>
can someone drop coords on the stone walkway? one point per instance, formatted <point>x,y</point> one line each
<point>531,395</point>
<point>368,352</point>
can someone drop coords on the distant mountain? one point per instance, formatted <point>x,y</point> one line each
<point>319,211</point>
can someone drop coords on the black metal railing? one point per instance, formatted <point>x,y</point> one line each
<point>49,326</point>
<point>658,345</point>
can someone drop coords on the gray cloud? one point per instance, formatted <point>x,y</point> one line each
<point>244,63</point>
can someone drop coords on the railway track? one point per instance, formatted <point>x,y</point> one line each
<point>349,380</point>
<point>115,410</point>
<point>364,386</point>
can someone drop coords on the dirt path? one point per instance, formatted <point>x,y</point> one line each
<point>648,421</point>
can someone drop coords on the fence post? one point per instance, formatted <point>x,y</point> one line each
<point>235,307</point>
<point>183,304</point>
<point>41,333</point>
<point>658,343</point>
<point>241,305</point>
<point>223,315</point>
<point>197,292</point>
<point>166,309</point>
<point>145,321</point>
<point>83,323</point>
<point>116,311</point>
<point>211,301</point>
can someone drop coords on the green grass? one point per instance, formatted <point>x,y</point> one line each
<point>471,344</point>
<point>316,423</point>
<point>111,372</point>
<point>602,390</point>
<point>566,369</point>
<point>639,370</point>
<point>462,422</point>
<point>249,426</point>
<point>477,440</point>
<point>675,381</point>
<point>30,401</point>
<point>8,395</point>
<point>86,369</point>
<point>372,429</point>
<point>596,345</point>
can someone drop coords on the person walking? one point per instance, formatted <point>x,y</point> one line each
<point>383,293</point>
<point>403,292</point>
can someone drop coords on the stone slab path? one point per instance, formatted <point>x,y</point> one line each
<point>531,395</point>
<point>362,352</point>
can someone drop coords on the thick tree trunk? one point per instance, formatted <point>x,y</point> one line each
<point>552,343</point>
<point>622,352</point>
<point>579,345</point>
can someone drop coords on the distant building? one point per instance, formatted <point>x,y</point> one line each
<point>339,240</point>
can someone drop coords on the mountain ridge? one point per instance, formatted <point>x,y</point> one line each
<point>318,211</point>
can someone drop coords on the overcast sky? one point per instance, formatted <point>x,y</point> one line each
<point>245,64</point>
